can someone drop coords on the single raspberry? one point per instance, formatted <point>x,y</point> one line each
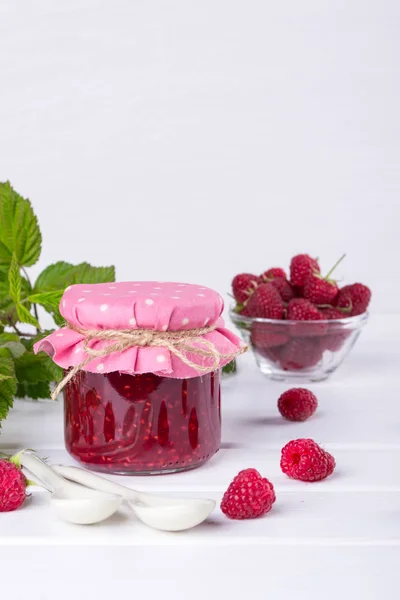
<point>273,273</point>
<point>248,496</point>
<point>301,267</point>
<point>266,303</point>
<point>271,354</point>
<point>331,313</point>
<point>355,297</point>
<point>300,309</point>
<point>284,288</point>
<point>320,291</point>
<point>334,341</point>
<point>12,486</point>
<point>243,285</point>
<point>331,463</point>
<point>297,404</point>
<point>266,335</point>
<point>299,353</point>
<point>303,459</point>
<point>337,333</point>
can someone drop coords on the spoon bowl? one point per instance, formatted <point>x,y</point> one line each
<point>85,511</point>
<point>70,501</point>
<point>173,517</point>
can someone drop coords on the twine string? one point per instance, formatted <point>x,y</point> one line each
<point>179,343</point>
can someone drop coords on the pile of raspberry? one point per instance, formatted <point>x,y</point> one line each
<point>306,298</point>
<point>250,495</point>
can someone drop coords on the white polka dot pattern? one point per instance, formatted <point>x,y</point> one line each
<point>144,305</point>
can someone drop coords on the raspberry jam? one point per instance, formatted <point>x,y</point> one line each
<point>142,424</point>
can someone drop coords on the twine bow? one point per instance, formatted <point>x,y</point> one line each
<point>179,343</point>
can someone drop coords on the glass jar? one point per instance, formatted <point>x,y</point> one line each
<point>142,424</point>
<point>143,395</point>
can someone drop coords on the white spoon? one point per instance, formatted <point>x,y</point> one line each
<point>71,502</point>
<point>159,512</point>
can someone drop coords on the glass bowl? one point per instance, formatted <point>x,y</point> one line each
<point>300,351</point>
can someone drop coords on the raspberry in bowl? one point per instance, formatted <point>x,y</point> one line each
<point>302,328</point>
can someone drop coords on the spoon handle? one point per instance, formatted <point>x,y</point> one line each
<point>95,481</point>
<point>39,469</point>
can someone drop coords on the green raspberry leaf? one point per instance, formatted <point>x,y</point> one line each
<point>60,275</point>
<point>8,386</point>
<point>24,316</point>
<point>50,300</point>
<point>230,368</point>
<point>53,372</point>
<point>35,372</point>
<point>32,368</point>
<point>34,390</point>
<point>14,280</point>
<point>54,277</point>
<point>10,341</point>
<point>19,229</point>
<point>7,304</point>
<point>85,273</point>
<point>6,369</point>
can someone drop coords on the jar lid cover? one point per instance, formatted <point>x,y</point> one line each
<point>143,305</point>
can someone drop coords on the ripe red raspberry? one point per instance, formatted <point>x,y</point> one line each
<point>284,288</point>
<point>303,459</point>
<point>301,267</point>
<point>300,353</point>
<point>12,486</point>
<point>243,285</point>
<point>271,354</point>
<point>248,496</point>
<point>331,464</point>
<point>266,303</point>
<point>332,314</point>
<point>337,334</point>
<point>266,335</point>
<point>300,309</point>
<point>297,404</point>
<point>267,276</point>
<point>334,341</point>
<point>355,297</point>
<point>320,291</point>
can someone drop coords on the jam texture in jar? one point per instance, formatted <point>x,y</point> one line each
<point>142,424</point>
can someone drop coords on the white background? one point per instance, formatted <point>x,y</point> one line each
<point>191,140</point>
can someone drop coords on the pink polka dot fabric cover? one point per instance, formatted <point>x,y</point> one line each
<point>144,305</point>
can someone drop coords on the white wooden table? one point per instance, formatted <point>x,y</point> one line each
<point>337,537</point>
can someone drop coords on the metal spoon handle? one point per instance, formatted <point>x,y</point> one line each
<point>95,481</point>
<point>39,469</point>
